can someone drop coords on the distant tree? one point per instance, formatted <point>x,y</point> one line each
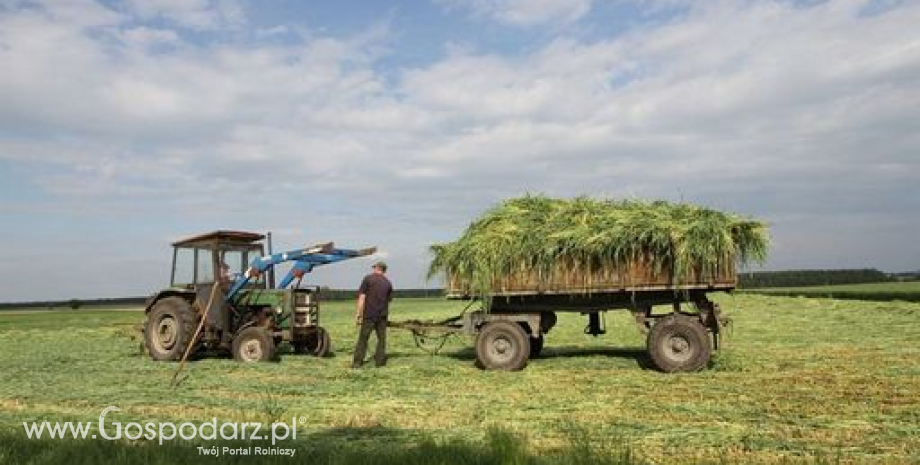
<point>75,304</point>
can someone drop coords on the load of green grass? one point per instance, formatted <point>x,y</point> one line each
<point>541,235</point>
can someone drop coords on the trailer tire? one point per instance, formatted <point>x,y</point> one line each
<point>254,344</point>
<point>502,345</point>
<point>169,329</point>
<point>316,342</point>
<point>679,343</point>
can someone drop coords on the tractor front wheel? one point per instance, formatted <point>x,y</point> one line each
<point>315,342</point>
<point>254,344</point>
<point>169,328</point>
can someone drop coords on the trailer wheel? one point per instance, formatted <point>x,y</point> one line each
<point>169,328</point>
<point>254,344</point>
<point>502,345</point>
<point>316,342</point>
<point>679,343</point>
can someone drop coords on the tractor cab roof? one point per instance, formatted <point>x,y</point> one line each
<point>223,237</point>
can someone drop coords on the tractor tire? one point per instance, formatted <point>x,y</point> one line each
<point>169,329</point>
<point>536,346</point>
<point>502,345</point>
<point>679,343</point>
<point>316,342</point>
<point>254,344</point>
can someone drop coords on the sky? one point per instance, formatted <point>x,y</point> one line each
<point>128,124</point>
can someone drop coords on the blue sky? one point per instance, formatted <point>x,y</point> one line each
<point>127,124</point>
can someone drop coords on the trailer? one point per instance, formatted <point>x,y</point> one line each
<point>682,325</point>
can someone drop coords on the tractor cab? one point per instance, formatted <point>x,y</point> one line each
<point>220,256</point>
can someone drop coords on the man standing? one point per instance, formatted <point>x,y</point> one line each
<point>374,297</point>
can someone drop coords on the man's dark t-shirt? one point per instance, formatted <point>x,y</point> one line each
<point>377,292</point>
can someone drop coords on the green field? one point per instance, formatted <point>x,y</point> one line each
<point>799,380</point>
<point>906,291</point>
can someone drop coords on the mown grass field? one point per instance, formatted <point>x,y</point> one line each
<point>799,380</point>
<point>906,291</point>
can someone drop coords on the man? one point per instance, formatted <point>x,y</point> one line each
<point>374,297</point>
<point>226,276</point>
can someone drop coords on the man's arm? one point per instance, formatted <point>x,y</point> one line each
<point>362,291</point>
<point>359,315</point>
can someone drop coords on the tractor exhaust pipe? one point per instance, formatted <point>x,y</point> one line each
<point>271,271</point>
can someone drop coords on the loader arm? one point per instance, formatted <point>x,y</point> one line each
<point>304,259</point>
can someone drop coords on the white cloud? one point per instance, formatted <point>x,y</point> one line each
<point>768,108</point>
<point>560,82</point>
<point>525,12</point>
<point>147,36</point>
<point>766,78</point>
<point>759,84</point>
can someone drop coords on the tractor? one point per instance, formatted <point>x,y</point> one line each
<point>222,298</point>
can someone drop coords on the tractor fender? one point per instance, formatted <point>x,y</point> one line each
<point>244,326</point>
<point>152,300</point>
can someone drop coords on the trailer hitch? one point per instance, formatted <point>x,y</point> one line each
<point>430,336</point>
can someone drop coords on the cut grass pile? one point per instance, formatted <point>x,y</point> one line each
<point>541,235</point>
<point>799,380</point>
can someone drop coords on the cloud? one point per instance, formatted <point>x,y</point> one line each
<point>759,84</point>
<point>802,114</point>
<point>525,13</point>
<point>77,13</point>
<point>192,14</point>
<point>147,36</point>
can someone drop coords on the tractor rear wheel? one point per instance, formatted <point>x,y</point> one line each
<point>502,345</point>
<point>169,328</point>
<point>315,342</point>
<point>254,344</point>
<point>679,343</point>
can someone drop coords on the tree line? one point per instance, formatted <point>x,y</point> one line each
<point>797,278</point>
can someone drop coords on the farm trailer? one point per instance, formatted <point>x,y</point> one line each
<point>518,313</point>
